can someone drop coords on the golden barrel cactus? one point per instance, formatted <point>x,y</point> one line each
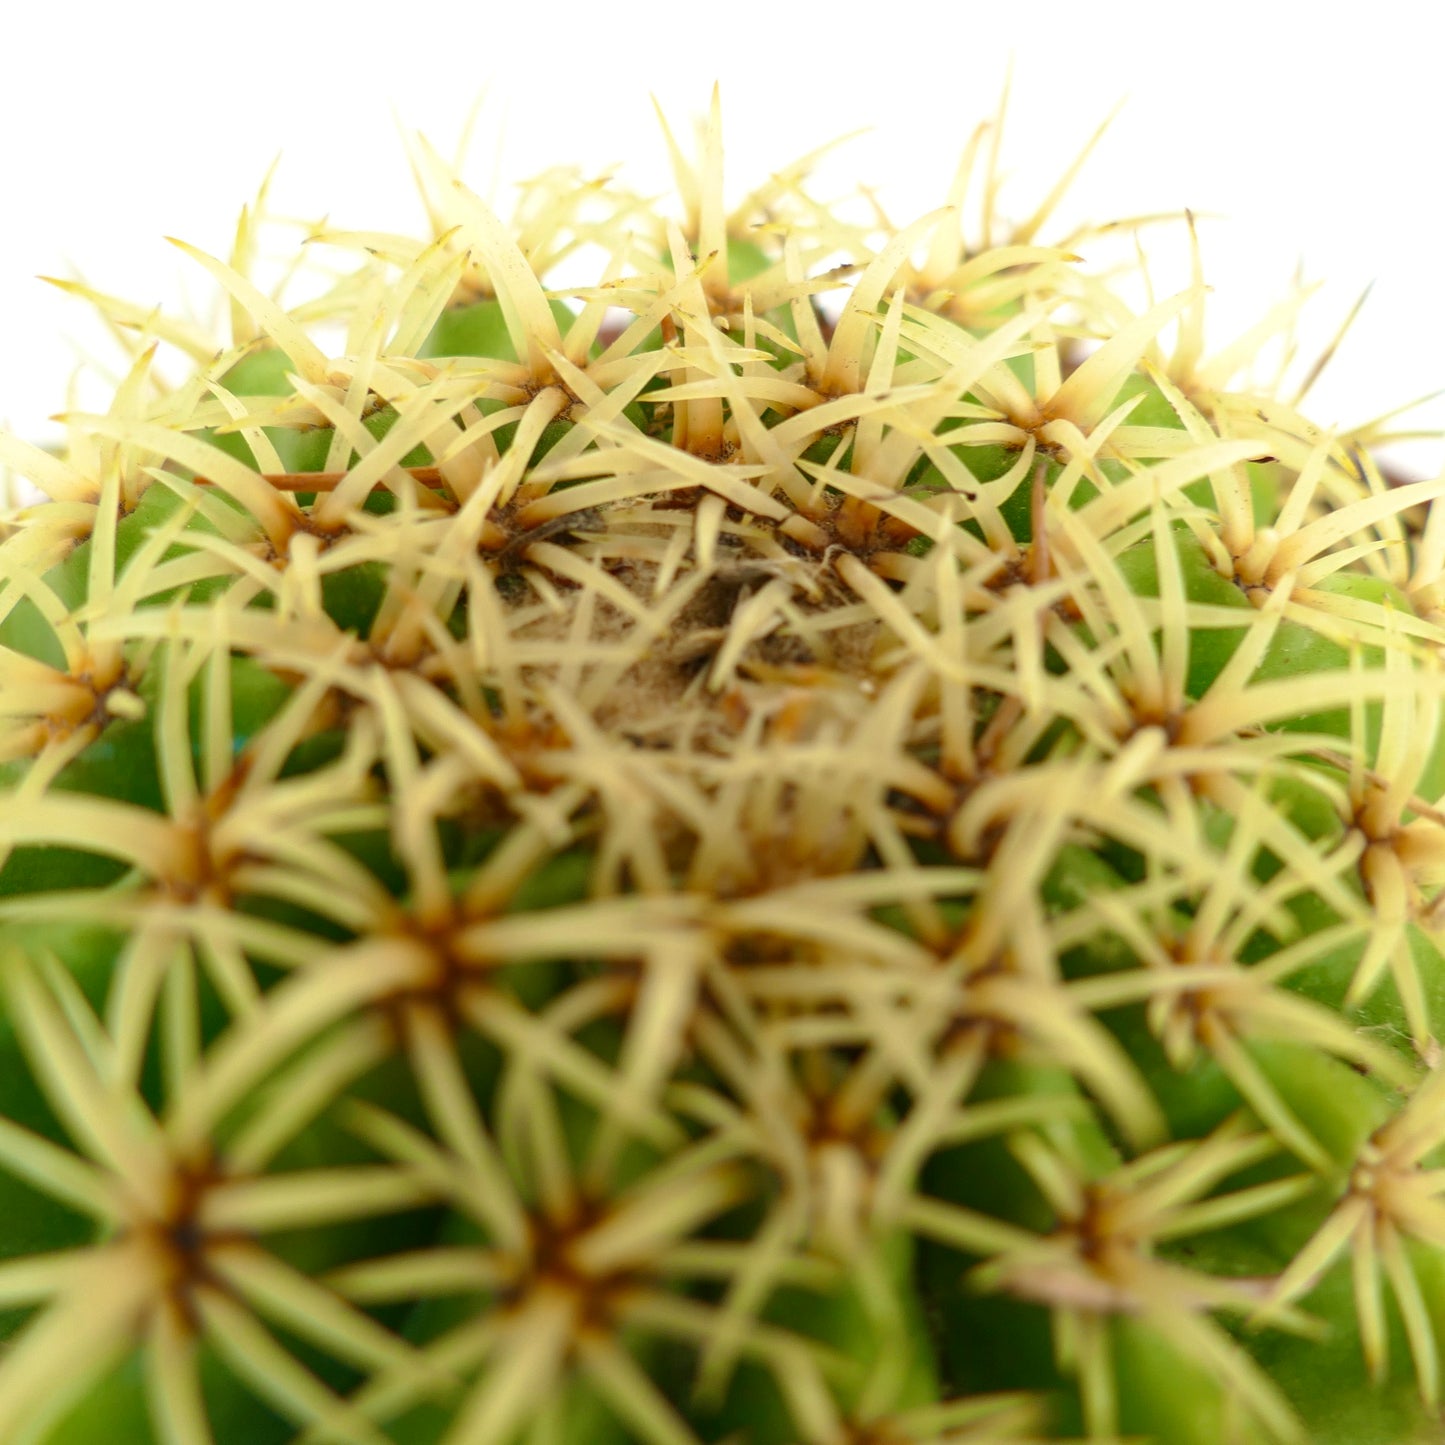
<point>833,838</point>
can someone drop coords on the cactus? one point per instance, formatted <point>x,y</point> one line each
<point>850,857</point>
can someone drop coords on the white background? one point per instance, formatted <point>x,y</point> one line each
<point>1314,140</point>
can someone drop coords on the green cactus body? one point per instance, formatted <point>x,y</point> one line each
<point>760,871</point>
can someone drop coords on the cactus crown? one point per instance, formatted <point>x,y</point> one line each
<point>764,870</point>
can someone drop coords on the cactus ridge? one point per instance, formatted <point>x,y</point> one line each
<point>774,848</point>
